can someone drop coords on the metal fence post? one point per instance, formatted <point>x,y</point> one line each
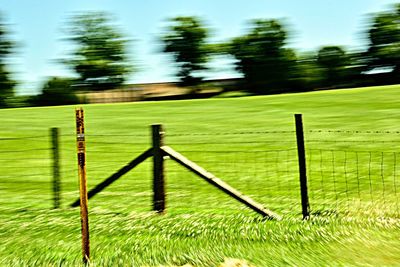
<point>302,166</point>
<point>81,153</point>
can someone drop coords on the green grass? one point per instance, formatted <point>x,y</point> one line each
<point>352,180</point>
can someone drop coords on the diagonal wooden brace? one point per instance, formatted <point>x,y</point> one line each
<point>142,157</point>
<point>212,179</point>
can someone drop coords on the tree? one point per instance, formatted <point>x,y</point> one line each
<point>384,41</point>
<point>310,74</point>
<point>56,91</point>
<point>100,57</point>
<point>6,83</point>
<point>186,41</point>
<point>267,65</point>
<point>333,61</point>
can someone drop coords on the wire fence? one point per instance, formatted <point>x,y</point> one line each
<point>349,172</point>
<point>354,171</point>
<point>24,171</point>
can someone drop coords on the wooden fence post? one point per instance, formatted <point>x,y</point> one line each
<point>158,169</point>
<point>302,166</point>
<point>81,151</point>
<point>56,167</point>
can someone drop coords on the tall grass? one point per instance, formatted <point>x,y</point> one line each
<point>249,142</point>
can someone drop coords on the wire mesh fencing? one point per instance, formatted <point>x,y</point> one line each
<point>252,162</point>
<point>105,155</point>
<point>25,172</point>
<point>354,172</point>
<point>354,181</point>
<point>349,172</point>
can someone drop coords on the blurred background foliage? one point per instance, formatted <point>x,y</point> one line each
<point>262,56</point>
<point>186,40</point>
<point>100,59</point>
<point>6,48</point>
<point>56,91</point>
<point>267,64</point>
<point>384,41</point>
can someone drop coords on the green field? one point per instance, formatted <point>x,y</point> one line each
<point>353,144</point>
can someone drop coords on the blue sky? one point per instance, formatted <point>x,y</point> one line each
<point>38,28</point>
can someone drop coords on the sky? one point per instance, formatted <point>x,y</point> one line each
<point>39,29</point>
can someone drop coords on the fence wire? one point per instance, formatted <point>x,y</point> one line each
<point>25,171</point>
<point>349,172</point>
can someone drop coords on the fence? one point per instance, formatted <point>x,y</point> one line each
<point>349,172</point>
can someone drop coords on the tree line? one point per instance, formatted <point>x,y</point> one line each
<point>262,56</point>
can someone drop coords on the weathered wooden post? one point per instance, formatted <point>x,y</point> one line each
<point>56,167</point>
<point>81,152</point>
<point>158,169</point>
<point>302,166</point>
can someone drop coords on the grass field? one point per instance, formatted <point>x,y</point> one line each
<point>352,139</point>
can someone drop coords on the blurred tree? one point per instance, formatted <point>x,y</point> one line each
<point>261,56</point>
<point>310,74</point>
<point>56,91</point>
<point>333,61</point>
<point>384,41</point>
<point>6,48</point>
<point>100,58</point>
<point>186,40</point>
<point>354,76</point>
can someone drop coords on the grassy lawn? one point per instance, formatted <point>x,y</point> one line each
<point>352,140</point>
